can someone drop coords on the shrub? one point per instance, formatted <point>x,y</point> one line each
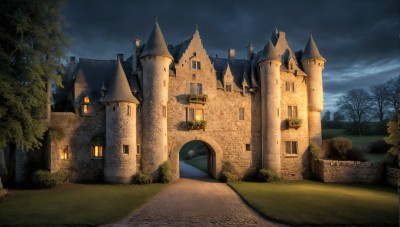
<point>356,154</point>
<point>45,179</point>
<point>227,177</point>
<point>165,172</point>
<point>315,151</point>
<point>379,147</point>
<point>228,172</point>
<point>342,146</point>
<point>267,175</point>
<point>56,133</point>
<point>141,178</point>
<point>251,174</point>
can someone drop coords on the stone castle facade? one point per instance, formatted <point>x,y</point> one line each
<point>123,116</point>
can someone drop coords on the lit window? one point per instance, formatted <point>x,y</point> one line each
<point>291,147</point>
<point>64,153</point>
<point>164,111</point>
<point>196,114</point>
<point>228,88</point>
<point>292,111</point>
<point>241,113</point>
<point>196,65</point>
<point>125,149</point>
<point>86,105</point>
<point>97,151</point>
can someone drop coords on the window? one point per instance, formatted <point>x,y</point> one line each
<point>125,149</point>
<point>196,65</point>
<point>292,111</point>
<point>64,153</point>
<point>246,90</point>
<point>164,111</point>
<point>289,86</point>
<point>138,149</point>
<point>97,151</point>
<point>196,114</point>
<point>129,110</point>
<point>292,86</point>
<point>291,147</point>
<point>196,88</point>
<point>228,88</point>
<point>241,113</point>
<point>86,105</point>
<point>248,148</point>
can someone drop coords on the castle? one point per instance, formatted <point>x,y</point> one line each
<point>123,116</point>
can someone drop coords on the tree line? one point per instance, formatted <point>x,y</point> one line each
<point>360,107</point>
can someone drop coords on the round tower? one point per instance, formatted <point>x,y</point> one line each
<point>155,60</point>
<point>313,65</point>
<point>120,151</point>
<point>269,64</point>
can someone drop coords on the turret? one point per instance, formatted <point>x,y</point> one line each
<point>120,152</point>
<point>313,64</point>
<point>269,64</point>
<point>155,59</point>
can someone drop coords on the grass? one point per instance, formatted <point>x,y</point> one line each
<point>357,140</point>
<point>74,204</point>
<point>315,203</point>
<point>199,162</point>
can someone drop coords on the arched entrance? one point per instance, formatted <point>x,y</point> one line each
<point>196,154</point>
<point>214,157</point>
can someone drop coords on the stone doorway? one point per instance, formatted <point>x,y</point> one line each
<point>212,155</point>
<point>196,154</point>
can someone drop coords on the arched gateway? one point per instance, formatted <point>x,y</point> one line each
<point>215,155</point>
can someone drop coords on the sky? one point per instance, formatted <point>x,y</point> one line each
<point>360,39</point>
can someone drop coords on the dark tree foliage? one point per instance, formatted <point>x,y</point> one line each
<point>31,46</point>
<point>379,101</point>
<point>392,95</point>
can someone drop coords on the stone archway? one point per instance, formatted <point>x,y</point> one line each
<point>215,153</point>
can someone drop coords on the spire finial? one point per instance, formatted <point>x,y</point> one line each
<point>156,20</point>
<point>197,27</point>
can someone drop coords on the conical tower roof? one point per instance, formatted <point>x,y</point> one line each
<point>155,45</point>
<point>311,51</point>
<point>119,90</point>
<point>269,53</point>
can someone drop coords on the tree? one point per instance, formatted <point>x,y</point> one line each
<point>379,100</point>
<point>392,94</point>
<point>326,119</point>
<point>31,46</point>
<point>356,106</point>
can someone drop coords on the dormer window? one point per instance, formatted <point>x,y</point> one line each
<point>196,65</point>
<point>86,105</point>
<point>228,88</point>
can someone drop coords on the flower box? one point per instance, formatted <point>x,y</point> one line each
<point>294,123</point>
<point>197,98</point>
<point>196,125</point>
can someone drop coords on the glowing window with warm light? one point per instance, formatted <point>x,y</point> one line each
<point>97,151</point>
<point>86,105</point>
<point>64,153</point>
<point>196,114</point>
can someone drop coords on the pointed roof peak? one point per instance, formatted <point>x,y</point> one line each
<point>156,45</point>
<point>269,53</point>
<point>119,90</point>
<point>311,51</point>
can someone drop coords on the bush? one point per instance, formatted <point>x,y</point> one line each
<point>266,175</point>
<point>251,174</point>
<point>356,154</point>
<point>342,146</point>
<point>165,172</point>
<point>45,179</point>
<point>315,151</point>
<point>228,172</point>
<point>228,177</point>
<point>379,147</point>
<point>141,178</point>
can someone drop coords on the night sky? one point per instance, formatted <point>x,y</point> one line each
<point>359,39</point>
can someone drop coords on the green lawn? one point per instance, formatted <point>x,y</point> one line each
<point>315,203</point>
<point>74,204</point>
<point>199,162</point>
<point>360,140</point>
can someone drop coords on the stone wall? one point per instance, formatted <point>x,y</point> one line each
<point>392,176</point>
<point>349,171</point>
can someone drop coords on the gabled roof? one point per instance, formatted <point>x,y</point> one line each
<point>119,90</point>
<point>155,45</point>
<point>311,51</point>
<point>269,53</point>
<point>239,68</point>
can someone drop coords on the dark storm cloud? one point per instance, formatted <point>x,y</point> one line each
<point>359,39</point>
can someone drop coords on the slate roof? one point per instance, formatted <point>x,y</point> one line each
<point>119,89</point>
<point>239,69</point>
<point>155,45</point>
<point>311,51</point>
<point>269,53</point>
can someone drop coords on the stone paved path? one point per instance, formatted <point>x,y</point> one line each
<point>196,200</point>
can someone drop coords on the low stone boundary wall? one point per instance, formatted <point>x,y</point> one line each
<point>349,171</point>
<point>392,175</point>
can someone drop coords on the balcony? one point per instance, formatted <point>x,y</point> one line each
<point>197,125</point>
<point>197,98</point>
<point>294,123</point>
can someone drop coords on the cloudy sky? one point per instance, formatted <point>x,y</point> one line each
<point>359,38</point>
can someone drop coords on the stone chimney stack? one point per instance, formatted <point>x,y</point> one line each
<point>231,54</point>
<point>120,57</point>
<point>250,51</point>
<point>136,45</point>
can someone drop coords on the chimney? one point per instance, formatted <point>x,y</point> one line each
<point>250,51</point>
<point>231,54</point>
<point>120,57</point>
<point>136,45</point>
